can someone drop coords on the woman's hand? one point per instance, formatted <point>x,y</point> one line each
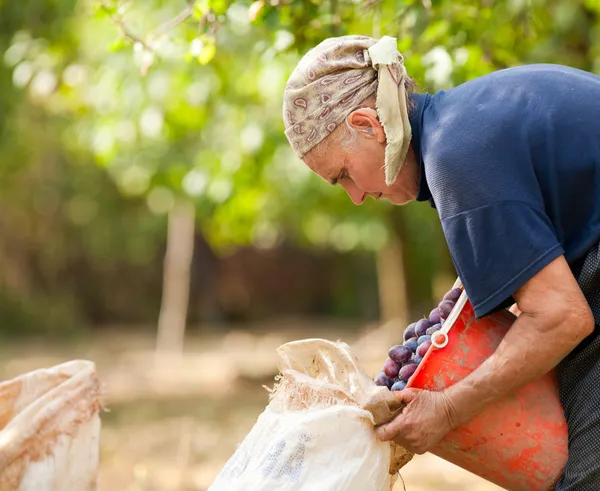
<point>425,420</point>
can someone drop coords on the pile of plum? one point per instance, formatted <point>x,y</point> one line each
<point>405,358</point>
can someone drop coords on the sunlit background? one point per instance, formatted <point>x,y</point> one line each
<point>150,204</point>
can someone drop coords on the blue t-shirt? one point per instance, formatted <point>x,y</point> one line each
<point>511,162</point>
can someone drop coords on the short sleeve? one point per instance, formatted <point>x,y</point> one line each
<point>497,248</point>
<point>482,168</point>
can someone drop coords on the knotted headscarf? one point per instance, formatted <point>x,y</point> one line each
<point>333,79</point>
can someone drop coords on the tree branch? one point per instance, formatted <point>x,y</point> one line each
<point>122,27</point>
<point>161,29</point>
<point>170,24</point>
<point>368,4</point>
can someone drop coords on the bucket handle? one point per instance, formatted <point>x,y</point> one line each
<point>439,339</point>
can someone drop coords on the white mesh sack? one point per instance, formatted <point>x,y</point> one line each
<point>314,434</point>
<point>50,429</point>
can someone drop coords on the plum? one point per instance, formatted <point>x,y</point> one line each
<point>423,339</point>
<point>445,307</point>
<point>407,371</point>
<point>411,344</point>
<point>432,329</point>
<point>422,326</point>
<point>409,332</point>
<point>391,368</point>
<point>399,385</point>
<point>421,350</point>
<point>400,353</point>
<point>453,295</point>
<point>382,380</point>
<point>434,316</point>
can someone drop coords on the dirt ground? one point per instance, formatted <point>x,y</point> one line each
<point>172,423</point>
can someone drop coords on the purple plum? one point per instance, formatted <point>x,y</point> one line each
<point>453,295</point>
<point>411,344</point>
<point>416,359</point>
<point>407,371</point>
<point>400,353</point>
<point>422,326</point>
<point>382,380</point>
<point>399,385</point>
<point>391,368</point>
<point>434,316</point>
<point>422,349</point>
<point>445,307</point>
<point>433,329</point>
<point>409,332</point>
<point>423,339</point>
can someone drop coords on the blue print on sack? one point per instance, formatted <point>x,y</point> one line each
<point>292,468</point>
<point>272,458</point>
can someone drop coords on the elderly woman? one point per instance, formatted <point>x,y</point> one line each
<point>511,163</point>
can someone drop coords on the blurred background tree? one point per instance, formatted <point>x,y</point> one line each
<point>137,135</point>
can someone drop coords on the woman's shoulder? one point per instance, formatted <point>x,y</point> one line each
<point>511,107</point>
<point>540,78</point>
<point>518,95</point>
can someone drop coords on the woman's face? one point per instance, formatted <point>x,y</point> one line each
<point>360,171</point>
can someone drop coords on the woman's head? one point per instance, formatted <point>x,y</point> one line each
<point>346,116</point>
<point>353,156</point>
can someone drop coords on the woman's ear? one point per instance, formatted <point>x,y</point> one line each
<point>366,121</point>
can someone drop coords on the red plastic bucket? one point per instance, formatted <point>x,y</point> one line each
<point>518,443</point>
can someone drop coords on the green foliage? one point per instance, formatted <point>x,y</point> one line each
<point>183,101</point>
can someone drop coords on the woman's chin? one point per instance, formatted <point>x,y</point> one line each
<point>396,200</point>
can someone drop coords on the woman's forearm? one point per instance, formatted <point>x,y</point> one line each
<point>532,347</point>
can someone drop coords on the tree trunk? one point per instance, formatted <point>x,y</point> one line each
<point>392,282</point>
<point>393,300</point>
<point>392,273</point>
<point>394,309</point>
<point>176,278</point>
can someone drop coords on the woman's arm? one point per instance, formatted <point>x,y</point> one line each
<point>555,318</point>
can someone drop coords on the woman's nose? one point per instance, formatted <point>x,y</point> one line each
<point>356,195</point>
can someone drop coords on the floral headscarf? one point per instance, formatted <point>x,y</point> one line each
<point>333,79</point>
